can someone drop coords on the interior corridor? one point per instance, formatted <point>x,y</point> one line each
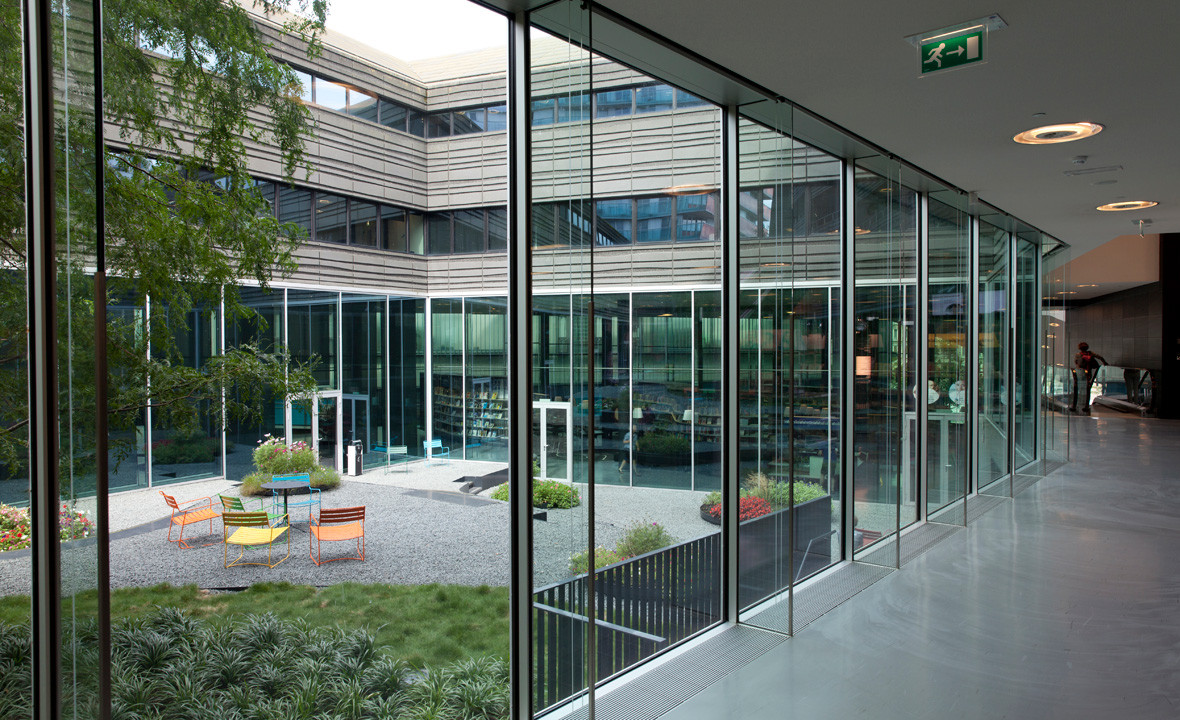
<point>1063,603</point>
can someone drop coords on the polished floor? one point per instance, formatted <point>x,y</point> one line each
<point>1062,603</point>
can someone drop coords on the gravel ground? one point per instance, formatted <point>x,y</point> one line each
<point>419,529</point>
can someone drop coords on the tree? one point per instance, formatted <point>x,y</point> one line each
<point>189,87</point>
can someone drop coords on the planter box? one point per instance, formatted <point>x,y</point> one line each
<point>764,562</point>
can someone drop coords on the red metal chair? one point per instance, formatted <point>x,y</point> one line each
<point>187,513</point>
<point>335,524</point>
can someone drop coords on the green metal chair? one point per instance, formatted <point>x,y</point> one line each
<point>253,529</point>
<point>232,503</point>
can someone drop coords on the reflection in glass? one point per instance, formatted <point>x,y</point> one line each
<point>946,354</point>
<point>993,354</point>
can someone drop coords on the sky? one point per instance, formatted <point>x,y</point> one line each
<point>418,29</point>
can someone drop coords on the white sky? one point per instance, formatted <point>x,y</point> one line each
<point>418,29</point>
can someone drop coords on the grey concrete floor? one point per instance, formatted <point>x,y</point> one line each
<point>1064,603</point>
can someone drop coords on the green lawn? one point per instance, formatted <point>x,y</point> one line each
<point>421,624</point>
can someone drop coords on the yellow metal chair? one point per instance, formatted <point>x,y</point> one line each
<point>253,529</point>
<point>187,513</point>
<point>336,524</point>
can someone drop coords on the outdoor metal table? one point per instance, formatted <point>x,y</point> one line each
<point>286,486</point>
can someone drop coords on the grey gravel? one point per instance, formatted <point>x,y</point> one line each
<point>419,529</point>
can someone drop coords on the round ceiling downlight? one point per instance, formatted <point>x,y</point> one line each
<point>1127,205</point>
<point>1049,134</point>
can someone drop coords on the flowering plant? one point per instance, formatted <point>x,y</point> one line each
<point>16,527</point>
<point>749,507</point>
<point>273,456</point>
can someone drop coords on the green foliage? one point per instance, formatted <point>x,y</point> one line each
<point>275,457</point>
<point>174,665</point>
<point>579,562</point>
<point>546,494</point>
<point>777,493</point>
<point>640,537</point>
<point>427,624</point>
<point>644,537</point>
<point>711,499</point>
<point>663,442</point>
<point>184,222</point>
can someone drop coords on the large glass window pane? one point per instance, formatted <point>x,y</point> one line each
<point>446,356</point>
<point>393,115</point>
<point>263,328</point>
<point>363,397</point>
<point>295,207</point>
<point>303,85</point>
<point>885,392</point>
<point>362,223</point>
<point>663,371</point>
<point>613,103</point>
<point>654,219</point>
<point>993,355</point>
<point>416,122</point>
<point>393,228</point>
<point>946,355</point>
<point>487,379</point>
<point>469,231</point>
<point>331,95</point>
<point>696,217</point>
<point>407,374</point>
<point>469,121</point>
<point>497,229</point>
<point>615,221</point>
<point>438,125</point>
<point>653,98</point>
<point>362,104</point>
<point>497,118</point>
<point>415,232</point>
<point>438,233</point>
<point>1025,391</point>
<point>573,108</point>
<point>331,213</point>
<point>543,111</point>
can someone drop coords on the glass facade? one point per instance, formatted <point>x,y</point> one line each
<point>800,357</point>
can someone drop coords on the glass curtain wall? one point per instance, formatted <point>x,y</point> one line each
<point>993,361</point>
<point>446,373</point>
<point>407,373</point>
<point>486,364</point>
<point>364,370</point>
<point>790,256</point>
<point>1026,391</point>
<point>947,350</point>
<point>1056,358</point>
<point>263,329</point>
<point>626,266</point>
<point>885,395</point>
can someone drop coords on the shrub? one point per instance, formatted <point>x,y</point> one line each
<point>643,538</point>
<point>579,562</point>
<point>16,527</point>
<point>662,442</point>
<point>546,494</point>
<point>777,493</point>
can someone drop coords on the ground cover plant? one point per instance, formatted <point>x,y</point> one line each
<point>171,664</point>
<point>428,625</point>
<point>761,495</point>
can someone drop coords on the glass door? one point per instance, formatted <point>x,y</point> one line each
<point>327,429</point>
<point>551,438</point>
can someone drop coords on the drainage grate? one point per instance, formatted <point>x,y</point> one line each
<point>657,691</point>
<point>1024,482</point>
<point>820,596</point>
<point>981,504</point>
<point>921,539</point>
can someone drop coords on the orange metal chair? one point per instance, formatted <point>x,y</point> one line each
<point>187,513</point>
<point>336,524</point>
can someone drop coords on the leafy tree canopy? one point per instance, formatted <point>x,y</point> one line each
<point>190,93</point>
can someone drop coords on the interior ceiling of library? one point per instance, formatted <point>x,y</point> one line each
<point>1072,60</point>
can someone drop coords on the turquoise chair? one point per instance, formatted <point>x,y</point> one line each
<point>312,499</point>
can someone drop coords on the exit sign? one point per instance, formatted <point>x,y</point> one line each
<point>946,51</point>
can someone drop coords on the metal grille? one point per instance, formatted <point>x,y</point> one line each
<point>817,598</point>
<point>654,693</point>
<point>981,504</point>
<point>923,538</point>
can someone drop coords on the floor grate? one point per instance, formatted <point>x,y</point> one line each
<point>921,539</point>
<point>981,504</point>
<point>654,693</point>
<point>821,596</point>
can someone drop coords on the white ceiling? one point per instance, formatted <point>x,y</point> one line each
<point>1114,63</point>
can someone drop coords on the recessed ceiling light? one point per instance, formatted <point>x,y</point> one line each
<point>1127,205</point>
<point>1058,133</point>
